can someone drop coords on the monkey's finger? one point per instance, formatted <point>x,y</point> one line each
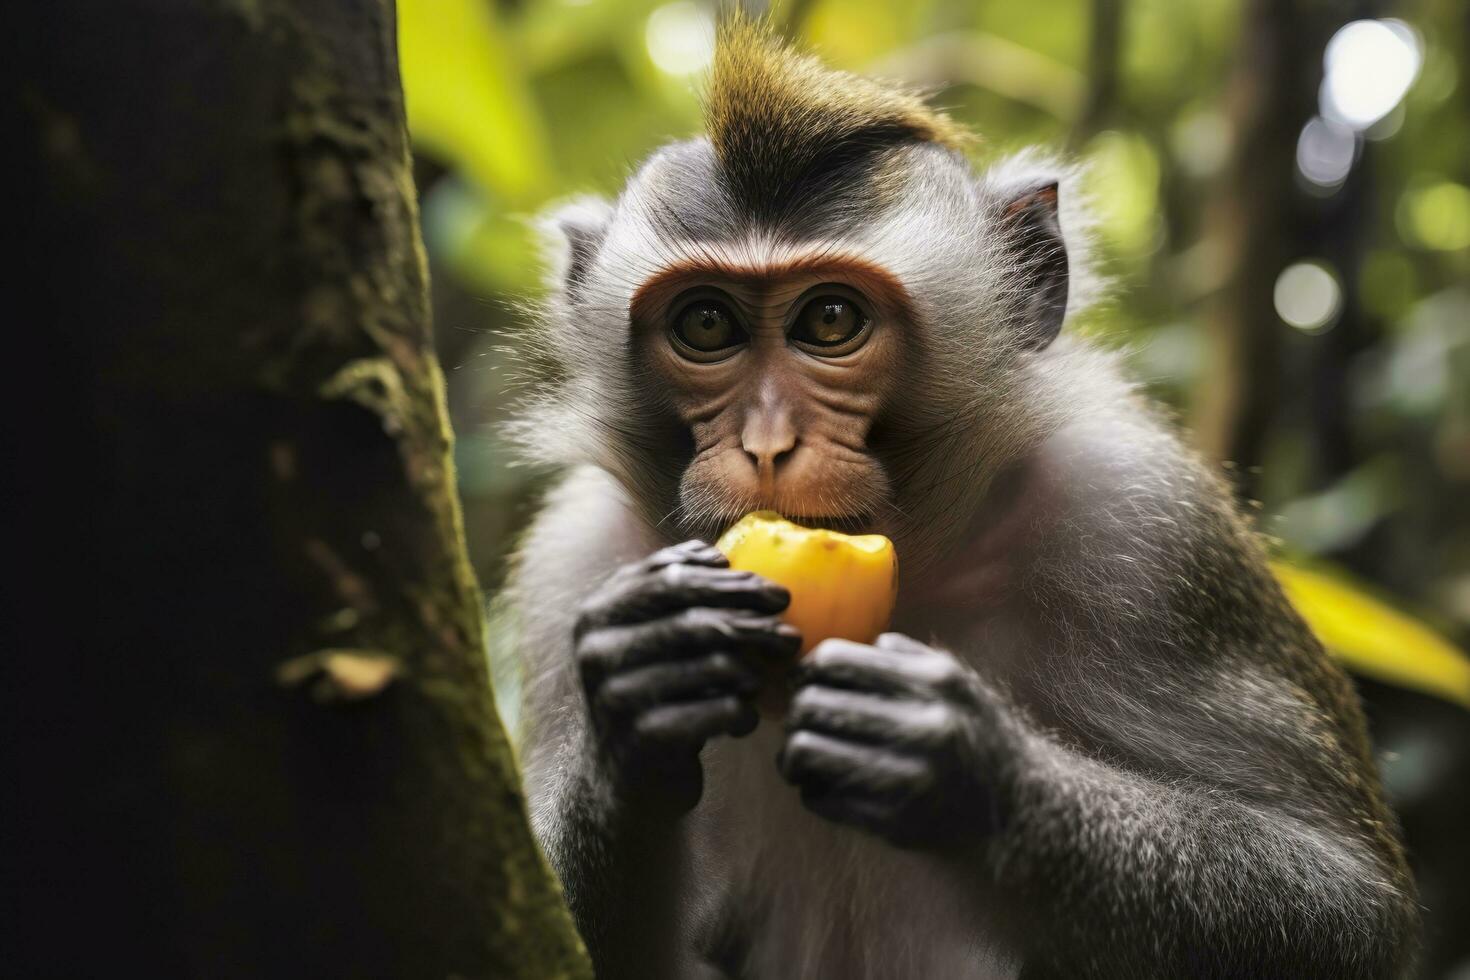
<point>680,586</point>
<point>693,552</point>
<point>660,684</point>
<point>842,663</point>
<point>686,634</point>
<point>867,717</point>
<point>901,643</point>
<point>694,722</point>
<point>827,764</point>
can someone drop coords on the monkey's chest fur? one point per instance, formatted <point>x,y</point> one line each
<point>796,896</point>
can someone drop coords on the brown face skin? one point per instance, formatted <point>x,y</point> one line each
<point>779,419</point>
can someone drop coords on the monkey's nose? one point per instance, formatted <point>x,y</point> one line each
<point>769,440</point>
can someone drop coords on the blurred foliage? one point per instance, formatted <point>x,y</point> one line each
<point>1365,467</point>
<point>526,102</point>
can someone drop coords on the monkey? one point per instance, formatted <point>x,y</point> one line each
<point>1098,742</point>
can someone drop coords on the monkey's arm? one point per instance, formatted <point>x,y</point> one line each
<point>1192,790</point>
<point>1136,876</point>
<point>618,866</point>
<point>1128,863</point>
<point>630,667</point>
<point>616,870</point>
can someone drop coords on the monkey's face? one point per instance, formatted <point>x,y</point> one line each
<point>858,358</point>
<point>778,374</point>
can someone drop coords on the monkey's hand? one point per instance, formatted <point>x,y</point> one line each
<point>666,650</point>
<point>899,739</point>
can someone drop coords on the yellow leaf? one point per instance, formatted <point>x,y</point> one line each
<point>468,102</point>
<point>1373,639</point>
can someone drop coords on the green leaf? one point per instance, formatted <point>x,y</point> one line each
<point>468,101</point>
<point>1374,639</point>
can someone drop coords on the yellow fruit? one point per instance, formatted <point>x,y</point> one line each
<point>841,585</point>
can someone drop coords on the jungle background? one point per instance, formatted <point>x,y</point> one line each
<point>1283,193</point>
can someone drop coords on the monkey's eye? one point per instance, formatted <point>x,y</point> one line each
<point>706,330</point>
<point>830,326</point>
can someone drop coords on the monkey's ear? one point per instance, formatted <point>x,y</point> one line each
<point>572,233</point>
<point>1033,235</point>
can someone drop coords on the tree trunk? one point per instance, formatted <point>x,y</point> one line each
<point>1256,215</point>
<point>1104,52</point>
<point>251,723</point>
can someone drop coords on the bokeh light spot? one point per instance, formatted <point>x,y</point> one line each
<point>1370,66</point>
<point>680,38</point>
<point>1436,216</point>
<point>1308,296</point>
<point>1201,142</point>
<point>1325,151</point>
<point>1128,167</point>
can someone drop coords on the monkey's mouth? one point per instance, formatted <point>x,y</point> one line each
<point>712,526</point>
<point>858,523</point>
<point>821,490</point>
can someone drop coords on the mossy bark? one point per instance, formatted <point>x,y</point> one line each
<point>255,736</point>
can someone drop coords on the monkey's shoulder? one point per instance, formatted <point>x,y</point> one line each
<point>1127,469</point>
<point>1136,519</point>
<point>1154,574</point>
<point>587,526</point>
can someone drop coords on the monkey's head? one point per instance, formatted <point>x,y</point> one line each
<point>820,308</point>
